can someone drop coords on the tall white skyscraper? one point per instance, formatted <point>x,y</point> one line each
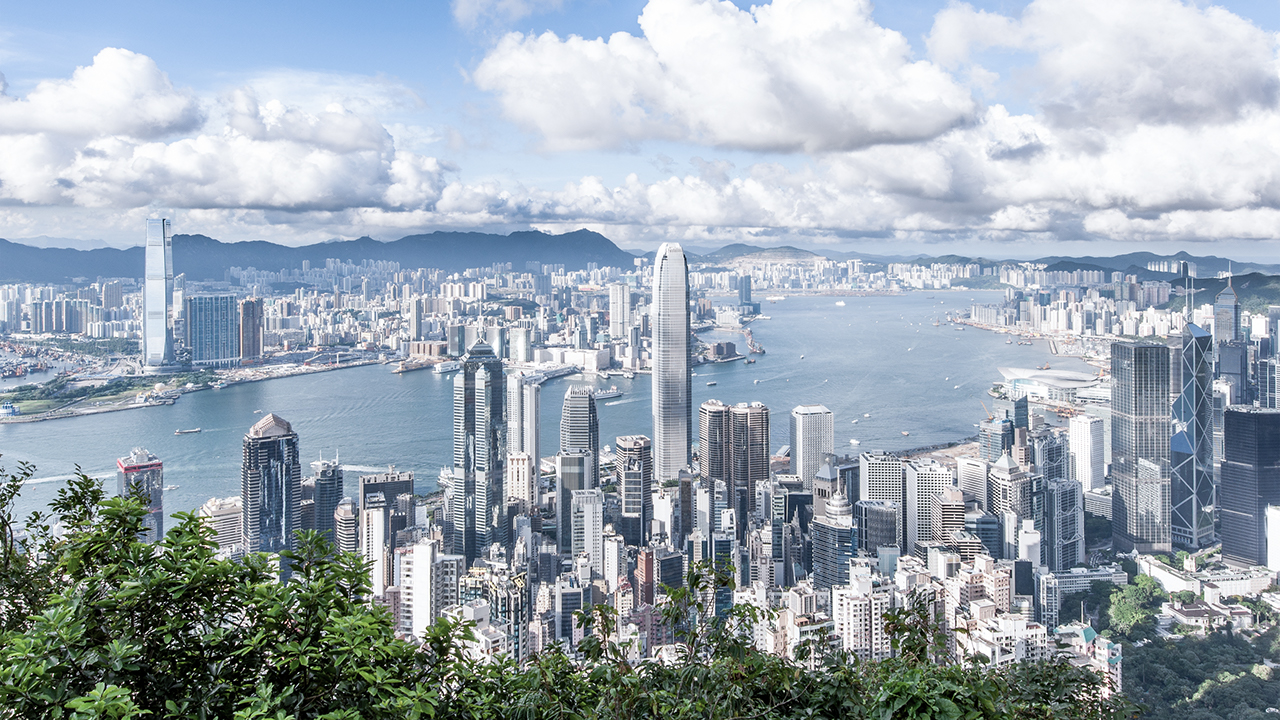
<point>1086,452</point>
<point>157,297</point>
<point>522,409</point>
<point>881,477</point>
<point>924,479</point>
<point>672,393</point>
<point>619,310</point>
<point>588,527</point>
<point>812,436</point>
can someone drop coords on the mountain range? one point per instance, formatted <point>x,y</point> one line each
<point>204,258</point>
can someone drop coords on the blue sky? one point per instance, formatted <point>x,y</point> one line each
<point>1009,128</point>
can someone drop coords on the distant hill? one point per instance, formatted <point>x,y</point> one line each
<point>1255,291</point>
<point>204,258</point>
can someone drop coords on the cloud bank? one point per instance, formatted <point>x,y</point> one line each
<point>1150,120</point>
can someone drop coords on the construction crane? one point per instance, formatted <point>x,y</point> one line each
<point>990,417</point>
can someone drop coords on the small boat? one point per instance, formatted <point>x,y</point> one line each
<point>854,421</point>
<point>839,303</point>
<point>749,361</point>
<point>256,412</point>
<point>1008,342</point>
<point>854,441</point>
<point>904,432</point>
<point>866,414</point>
<point>956,387</point>
<point>713,382</point>
<point>801,357</point>
<point>757,382</point>
<point>612,392</point>
<point>632,376</point>
<point>170,487</point>
<point>192,431</point>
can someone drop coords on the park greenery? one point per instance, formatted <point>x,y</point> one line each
<point>1221,676</point>
<point>61,390</point>
<point>95,623</point>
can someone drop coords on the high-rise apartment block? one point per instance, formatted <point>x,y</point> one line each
<point>619,311</point>
<point>251,319</point>
<point>212,329</point>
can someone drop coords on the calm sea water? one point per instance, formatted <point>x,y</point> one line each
<point>878,355</point>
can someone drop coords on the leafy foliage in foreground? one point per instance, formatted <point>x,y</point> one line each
<point>96,624</point>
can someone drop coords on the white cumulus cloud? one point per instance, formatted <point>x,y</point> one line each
<point>794,75</point>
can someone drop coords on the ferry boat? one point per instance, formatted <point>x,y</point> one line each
<point>448,366</point>
<point>713,382</point>
<point>192,431</point>
<point>839,303</point>
<point>854,441</point>
<point>612,392</point>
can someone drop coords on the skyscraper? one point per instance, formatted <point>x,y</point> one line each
<point>250,329</point>
<point>523,428</point>
<point>572,473</point>
<point>835,542</point>
<point>157,297</point>
<point>995,438</point>
<point>142,472</point>
<point>346,526</point>
<point>671,382</point>
<point>1226,315</point>
<point>619,311</point>
<point>1250,482</point>
<point>924,479</point>
<point>633,474</point>
<point>212,329</point>
<point>878,523</point>
<point>587,519</point>
<point>1140,431</point>
<point>812,436</point>
<point>328,493</point>
<point>271,486</point>
<point>714,443</point>
<point>476,494</point>
<point>580,427</point>
<point>1086,443</point>
<point>1191,447</point>
<point>749,448</point>
<point>1063,525</point>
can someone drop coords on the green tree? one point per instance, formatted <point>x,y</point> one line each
<point>118,628</point>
